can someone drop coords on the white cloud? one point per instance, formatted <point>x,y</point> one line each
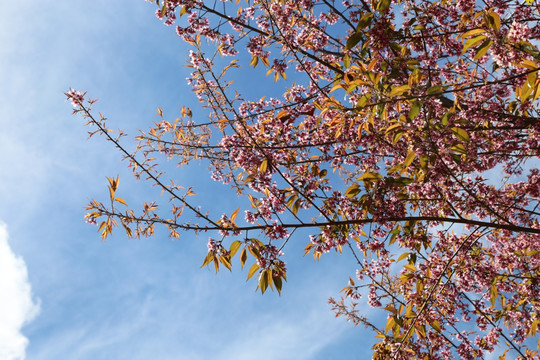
<point>16,305</point>
<point>279,338</point>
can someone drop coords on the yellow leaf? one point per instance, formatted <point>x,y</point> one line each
<point>282,114</point>
<point>225,261</point>
<point>459,148</point>
<point>410,158</point>
<point>296,207</point>
<point>393,127</point>
<point>493,294</point>
<point>389,324</point>
<point>410,267</point>
<point>472,41</point>
<point>402,256</point>
<point>399,90</point>
<point>493,20</point>
<point>472,32</point>
<point>352,190</point>
<point>235,245</point>
<point>263,166</point>
<point>421,331</point>
<point>121,201</point>
<point>534,327</point>
<point>335,87</point>
<point>208,259</point>
<point>483,49</point>
<point>528,64</point>
<point>243,257</point>
<point>370,176</point>
<point>111,193</point>
<point>528,86</point>
<point>263,281</point>
<point>254,61</point>
<point>252,270</point>
<point>234,215</point>
<point>101,226</point>
<point>406,277</point>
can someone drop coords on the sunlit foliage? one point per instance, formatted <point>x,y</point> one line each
<point>407,132</point>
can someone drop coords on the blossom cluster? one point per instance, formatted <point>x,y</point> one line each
<point>404,133</point>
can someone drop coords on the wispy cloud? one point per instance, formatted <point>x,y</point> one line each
<point>16,304</point>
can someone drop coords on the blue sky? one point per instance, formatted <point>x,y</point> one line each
<point>67,295</point>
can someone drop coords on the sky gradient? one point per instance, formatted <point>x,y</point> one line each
<point>65,294</point>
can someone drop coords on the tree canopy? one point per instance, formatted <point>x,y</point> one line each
<point>405,132</point>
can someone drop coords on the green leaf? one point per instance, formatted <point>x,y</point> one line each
<point>346,61</point>
<point>415,110</point>
<point>278,283</point>
<point>352,190</point>
<point>435,90</point>
<point>353,40</point>
<point>370,176</point>
<point>164,7</point>
<point>406,277</point>
<point>424,161</point>
<point>393,239</point>
<point>397,136</point>
<point>459,148</point>
<point>365,21</point>
<point>291,200</point>
<point>296,207</point>
<point>402,181</point>
<point>363,101</point>
<point>446,117</point>
<point>461,134</point>
<point>382,5</point>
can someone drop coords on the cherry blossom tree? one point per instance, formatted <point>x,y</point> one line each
<point>405,132</point>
